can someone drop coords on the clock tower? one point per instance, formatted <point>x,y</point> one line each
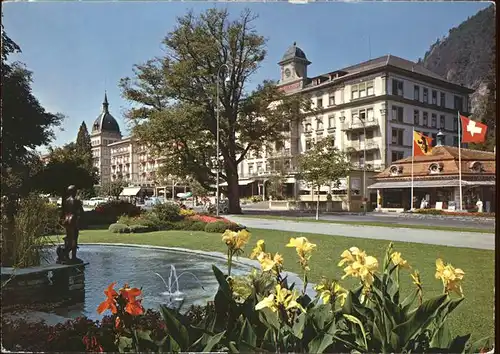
<point>293,66</point>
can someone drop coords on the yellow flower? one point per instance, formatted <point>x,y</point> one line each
<point>416,279</point>
<point>399,261</point>
<point>278,259</point>
<point>359,265</point>
<point>303,248</point>
<point>328,290</point>
<point>235,240</point>
<point>450,276</point>
<point>261,247</point>
<point>283,298</point>
<point>266,263</point>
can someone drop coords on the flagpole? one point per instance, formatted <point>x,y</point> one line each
<point>412,155</point>
<point>460,158</point>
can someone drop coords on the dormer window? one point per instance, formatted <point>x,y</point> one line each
<point>435,168</point>
<point>396,170</point>
<point>476,167</point>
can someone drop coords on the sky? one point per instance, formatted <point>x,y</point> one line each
<point>77,50</point>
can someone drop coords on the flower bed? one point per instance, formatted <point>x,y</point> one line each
<point>454,213</point>
<point>263,312</point>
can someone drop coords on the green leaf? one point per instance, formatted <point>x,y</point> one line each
<point>232,347</point>
<point>419,320</point>
<point>270,318</point>
<point>459,343</point>
<point>355,320</point>
<point>214,340</point>
<point>320,315</point>
<point>442,337</point>
<point>475,347</point>
<point>408,301</point>
<point>247,334</point>
<point>176,329</point>
<point>144,334</point>
<point>172,345</point>
<point>223,284</point>
<point>298,325</point>
<point>124,343</point>
<point>320,343</point>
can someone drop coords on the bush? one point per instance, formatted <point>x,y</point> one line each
<point>256,199</point>
<point>117,208</point>
<point>119,228</point>
<point>220,227</point>
<point>167,212</point>
<point>429,211</point>
<point>136,229</point>
<point>198,226</point>
<point>187,212</point>
<point>185,224</point>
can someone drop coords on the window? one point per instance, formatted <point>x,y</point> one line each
<point>369,134</point>
<point>397,114</point>
<point>362,115</point>
<point>434,97</point>
<point>362,90</point>
<point>361,160</point>
<point>397,136</point>
<point>331,99</point>
<point>308,145</point>
<point>455,125</point>
<point>433,120</point>
<point>369,88</point>
<point>319,124</point>
<point>331,121</point>
<point>458,103</point>
<point>397,87</point>
<point>354,136</point>
<point>319,103</point>
<point>416,93</point>
<point>369,114</point>
<point>416,117</point>
<point>442,100</point>
<point>434,140</point>
<point>287,151</point>
<point>455,141</point>
<point>426,95</point>
<point>308,127</point>
<point>354,92</point>
<point>425,117</point>
<point>442,122</point>
<point>397,155</point>
<point>250,169</point>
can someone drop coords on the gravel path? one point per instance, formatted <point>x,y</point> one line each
<point>484,241</point>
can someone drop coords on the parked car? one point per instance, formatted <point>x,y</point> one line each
<point>93,202</point>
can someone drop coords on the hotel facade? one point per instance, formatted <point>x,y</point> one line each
<point>370,107</point>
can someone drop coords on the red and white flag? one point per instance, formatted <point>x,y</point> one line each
<point>472,131</point>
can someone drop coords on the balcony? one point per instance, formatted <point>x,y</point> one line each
<point>360,124</point>
<point>369,166</point>
<point>362,145</point>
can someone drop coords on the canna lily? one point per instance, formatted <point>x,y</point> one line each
<point>235,240</point>
<point>416,279</point>
<point>303,248</point>
<point>399,261</point>
<point>331,291</point>
<point>283,298</point>
<point>110,302</point>
<point>361,266</point>
<point>451,277</point>
<point>133,305</point>
<point>261,247</point>
<point>266,262</point>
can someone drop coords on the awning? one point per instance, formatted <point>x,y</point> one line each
<point>130,191</point>
<point>428,184</point>
<point>241,183</point>
<point>290,180</point>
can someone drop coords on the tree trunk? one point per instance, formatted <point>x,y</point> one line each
<point>8,252</point>
<point>233,192</point>
<point>317,206</point>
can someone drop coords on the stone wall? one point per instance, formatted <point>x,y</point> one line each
<point>47,284</point>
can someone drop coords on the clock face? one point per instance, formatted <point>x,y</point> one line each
<point>288,72</point>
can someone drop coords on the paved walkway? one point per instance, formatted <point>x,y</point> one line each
<point>476,240</point>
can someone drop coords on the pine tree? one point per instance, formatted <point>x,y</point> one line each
<point>83,145</point>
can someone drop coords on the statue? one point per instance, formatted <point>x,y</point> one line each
<point>72,211</point>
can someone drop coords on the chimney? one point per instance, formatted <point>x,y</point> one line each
<point>440,138</point>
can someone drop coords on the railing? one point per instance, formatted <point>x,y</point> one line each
<point>360,145</point>
<point>358,124</point>
<point>369,166</point>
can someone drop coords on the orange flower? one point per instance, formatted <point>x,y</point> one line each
<point>110,302</point>
<point>133,306</point>
<point>117,322</point>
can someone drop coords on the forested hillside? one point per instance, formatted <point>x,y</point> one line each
<point>467,56</point>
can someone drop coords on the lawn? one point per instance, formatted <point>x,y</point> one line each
<point>474,315</point>
<point>372,223</point>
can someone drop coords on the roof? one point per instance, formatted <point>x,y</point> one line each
<point>294,52</point>
<point>389,61</point>
<point>105,121</point>
<point>445,160</point>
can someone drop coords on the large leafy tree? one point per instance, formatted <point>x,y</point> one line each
<point>323,165</point>
<point>175,99</point>
<point>26,125</point>
<point>112,188</point>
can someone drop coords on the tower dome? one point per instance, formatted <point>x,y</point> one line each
<point>105,122</point>
<point>294,53</point>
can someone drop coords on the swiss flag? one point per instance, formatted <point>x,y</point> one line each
<point>472,131</point>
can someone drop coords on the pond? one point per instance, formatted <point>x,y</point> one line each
<point>137,267</point>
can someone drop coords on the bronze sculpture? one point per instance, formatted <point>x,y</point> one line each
<point>72,211</point>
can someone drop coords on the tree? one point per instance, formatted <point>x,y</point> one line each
<point>25,126</point>
<point>83,145</point>
<point>322,165</point>
<point>179,90</point>
<point>66,167</point>
<point>113,188</point>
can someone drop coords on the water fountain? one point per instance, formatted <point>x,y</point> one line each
<point>175,299</point>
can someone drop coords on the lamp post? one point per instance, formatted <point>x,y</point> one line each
<point>217,143</point>
<point>364,165</point>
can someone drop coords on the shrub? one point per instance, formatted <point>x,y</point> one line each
<point>187,212</point>
<point>429,211</point>
<point>139,229</point>
<point>198,226</point>
<point>119,228</point>
<point>220,227</point>
<point>256,199</point>
<point>167,212</point>
<point>184,224</point>
<point>117,208</point>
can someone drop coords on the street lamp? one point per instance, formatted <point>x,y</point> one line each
<point>364,165</point>
<point>217,143</point>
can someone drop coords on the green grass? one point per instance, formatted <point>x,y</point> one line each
<point>474,315</point>
<point>371,223</point>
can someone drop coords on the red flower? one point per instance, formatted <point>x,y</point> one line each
<point>110,302</point>
<point>133,306</point>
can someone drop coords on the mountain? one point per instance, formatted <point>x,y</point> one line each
<point>467,56</point>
